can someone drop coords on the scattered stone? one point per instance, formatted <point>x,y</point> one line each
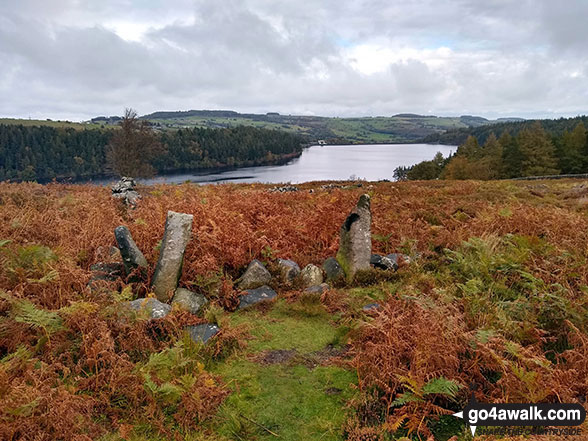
<point>202,333</point>
<point>577,191</point>
<point>153,307</point>
<point>311,275</point>
<point>333,270</point>
<point>107,271</point>
<point>178,228</point>
<point>255,276</point>
<point>275,356</point>
<point>355,246</point>
<point>333,391</point>
<point>257,295</point>
<point>371,307</point>
<point>188,300</point>
<point>289,270</point>
<point>114,253</point>
<point>284,189</point>
<point>130,252</point>
<point>538,189</point>
<point>383,262</point>
<point>317,289</point>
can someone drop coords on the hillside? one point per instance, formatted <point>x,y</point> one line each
<point>493,296</point>
<point>555,127</point>
<point>399,128</point>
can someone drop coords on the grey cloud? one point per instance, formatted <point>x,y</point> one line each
<point>63,58</point>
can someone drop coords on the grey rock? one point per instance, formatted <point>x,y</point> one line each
<point>188,300</point>
<point>355,245</point>
<point>152,307</point>
<point>311,275</point>
<point>318,289</point>
<point>125,190</point>
<point>383,262</point>
<point>398,258</point>
<point>284,189</point>
<point>107,271</point>
<point>333,270</point>
<point>123,185</point>
<point>255,276</point>
<point>289,270</point>
<point>257,295</point>
<point>371,307</point>
<point>178,228</point>
<point>130,252</point>
<point>202,333</point>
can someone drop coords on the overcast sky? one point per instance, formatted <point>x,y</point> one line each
<point>75,59</point>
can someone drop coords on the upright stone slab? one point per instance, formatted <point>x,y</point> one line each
<point>355,244</point>
<point>129,251</point>
<point>178,228</point>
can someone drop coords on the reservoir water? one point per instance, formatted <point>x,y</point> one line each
<point>331,162</point>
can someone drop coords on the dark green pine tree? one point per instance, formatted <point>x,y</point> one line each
<point>538,152</point>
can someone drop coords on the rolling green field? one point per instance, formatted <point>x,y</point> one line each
<point>402,128</point>
<point>49,123</point>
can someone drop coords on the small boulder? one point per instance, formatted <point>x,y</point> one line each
<point>371,307</point>
<point>383,262</point>
<point>399,258</point>
<point>150,306</point>
<point>333,270</point>
<point>255,276</point>
<point>289,270</point>
<point>130,252</point>
<point>311,275</point>
<point>123,185</point>
<point>257,295</point>
<point>317,289</point>
<point>202,333</point>
<point>188,300</point>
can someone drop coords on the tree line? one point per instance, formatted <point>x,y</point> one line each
<point>45,153</point>
<point>531,151</point>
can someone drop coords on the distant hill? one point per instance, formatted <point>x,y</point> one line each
<point>399,128</point>
<point>457,136</point>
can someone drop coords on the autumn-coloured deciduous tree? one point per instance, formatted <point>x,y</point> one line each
<point>133,147</point>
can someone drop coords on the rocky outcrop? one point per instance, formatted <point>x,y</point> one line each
<point>311,275</point>
<point>178,228</point>
<point>255,275</point>
<point>188,300</point>
<point>289,270</point>
<point>383,262</point>
<point>153,308</point>
<point>355,244</point>
<point>254,296</point>
<point>333,271</point>
<point>131,255</point>
<point>202,333</point>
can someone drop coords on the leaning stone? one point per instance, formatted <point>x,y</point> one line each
<point>255,276</point>
<point>333,270</point>
<point>355,245</point>
<point>383,262</point>
<point>130,252</point>
<point>289,270</point>
<point>318,289</point>
<point>202,333</point>
<point>152,307</point>
<point>188,300</point>
<point>178,228</point>
<point>107,271</point>
<point>311,275</point>
<point>257,295</point>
